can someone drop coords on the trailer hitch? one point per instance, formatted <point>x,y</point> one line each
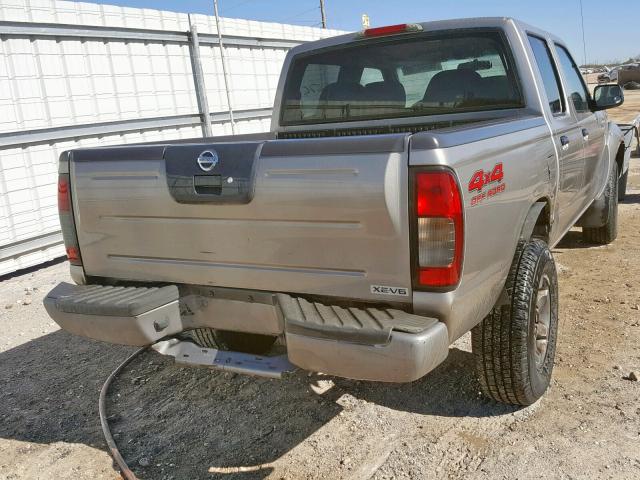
<point>190,354</point>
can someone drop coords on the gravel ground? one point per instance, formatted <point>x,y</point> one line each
<point>174,423</point>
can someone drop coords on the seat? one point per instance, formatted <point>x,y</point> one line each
<point>387,91</point>
<point>452,87</point>
<point>336,96</point>
<point>342,92</point>
<point>497,88</point>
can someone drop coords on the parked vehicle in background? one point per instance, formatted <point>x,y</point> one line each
<point>621,74</point>
<point>629,131</point>
<point>604,78</point>
<point>629,76</point>
<point>412,186</point>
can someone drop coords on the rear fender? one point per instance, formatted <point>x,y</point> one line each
<point>536,224</point>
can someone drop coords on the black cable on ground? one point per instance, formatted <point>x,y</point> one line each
<point>102,409</point>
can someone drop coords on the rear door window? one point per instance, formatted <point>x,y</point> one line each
<point>549,74</point>
<point>576,89</point>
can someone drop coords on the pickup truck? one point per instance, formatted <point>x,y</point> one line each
<point>410,190</point>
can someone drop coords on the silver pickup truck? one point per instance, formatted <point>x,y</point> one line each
<point>413,182</point>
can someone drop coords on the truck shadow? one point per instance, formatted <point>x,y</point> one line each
<point>194,422</point>
<point>632,198</point>
<point>35,268</point>
<point>572,240</point>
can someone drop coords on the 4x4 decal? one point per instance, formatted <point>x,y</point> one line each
<point>482,178</point>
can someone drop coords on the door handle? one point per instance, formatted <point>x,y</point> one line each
<point>564,141</point>
<point>585,134</point>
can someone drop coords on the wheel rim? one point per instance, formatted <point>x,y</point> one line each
<point>542,319</point>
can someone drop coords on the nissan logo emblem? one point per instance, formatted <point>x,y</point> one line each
<point>207,160</point>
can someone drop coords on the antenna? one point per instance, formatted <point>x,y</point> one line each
<point>584,44</point>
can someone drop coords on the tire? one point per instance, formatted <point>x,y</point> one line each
<point>608,232</point>
<point>514,346</point>
<point>622,186</point>
<point>244,342</point>
<point>203,337</point>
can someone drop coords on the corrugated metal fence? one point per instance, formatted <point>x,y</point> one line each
<point>79,74</point>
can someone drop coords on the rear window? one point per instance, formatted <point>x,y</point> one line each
<point>400,77</point>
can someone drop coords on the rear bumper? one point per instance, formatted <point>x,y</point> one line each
<point>354,342</point>
<point>407,357</point>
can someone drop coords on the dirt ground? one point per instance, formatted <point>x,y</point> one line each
<point>179,423</point>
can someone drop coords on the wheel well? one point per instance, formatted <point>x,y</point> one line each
<point>542,225</point>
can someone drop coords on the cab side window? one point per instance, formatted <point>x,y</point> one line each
<point>549,74</point>
<point>576,90</point>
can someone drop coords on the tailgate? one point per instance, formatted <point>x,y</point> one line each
<point>317,216</point>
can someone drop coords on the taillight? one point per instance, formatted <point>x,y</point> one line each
<point>391,30</point>
<point>64,198</point>
<point>67,223</point>
<point>439,230</point>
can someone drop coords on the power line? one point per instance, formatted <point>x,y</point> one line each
<point>322,23</point>
<point>239,4</point>
<point>299,14</point>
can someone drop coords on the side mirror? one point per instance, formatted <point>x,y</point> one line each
<point>607,96</point>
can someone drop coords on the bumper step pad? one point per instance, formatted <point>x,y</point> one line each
<point>123,315</point>
<point>111,301</point>
<point>380,344</point>
<point>367,326</point>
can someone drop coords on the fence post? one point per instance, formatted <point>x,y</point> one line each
<point>198,80</point>
<point>224,67</point>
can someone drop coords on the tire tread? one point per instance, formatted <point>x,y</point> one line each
<point>500,341</point>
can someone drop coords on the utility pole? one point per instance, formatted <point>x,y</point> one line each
<point>224,67</point>
<point>323,14</point>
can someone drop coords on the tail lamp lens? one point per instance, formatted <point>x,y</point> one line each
<point>73,254</point>
<point>64,204</point>
<point>67,224</point>
<point>439,229</point>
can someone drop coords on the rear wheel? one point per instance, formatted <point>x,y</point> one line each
<point>244,342</point>
<point>203,337</point>
<point>609,231</point>
<point>233,341</point>
<point>514,346</point>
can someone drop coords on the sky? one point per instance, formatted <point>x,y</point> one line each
<point>609,26</point>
